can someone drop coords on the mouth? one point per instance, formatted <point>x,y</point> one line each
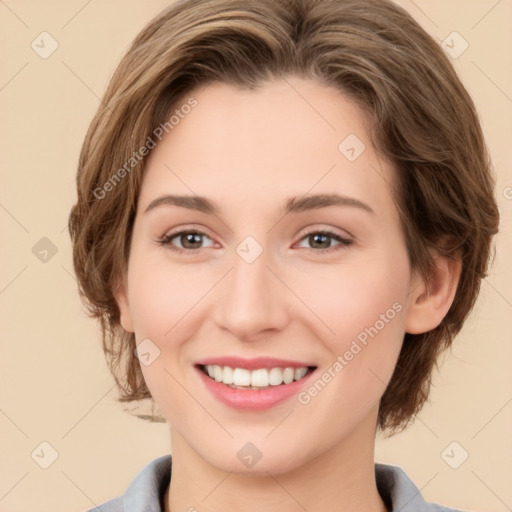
<point>253,384</point>
<point>260,378</point>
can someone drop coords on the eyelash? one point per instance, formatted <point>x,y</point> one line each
<point>166,241</point>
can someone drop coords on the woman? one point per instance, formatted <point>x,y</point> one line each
<point>285,209</point>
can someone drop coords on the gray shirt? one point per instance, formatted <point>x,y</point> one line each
<point>146,491</point>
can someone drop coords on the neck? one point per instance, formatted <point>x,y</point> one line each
<point>344,474</point>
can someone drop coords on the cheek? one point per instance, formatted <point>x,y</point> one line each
<point>162,294</point>
<point>362,309</point>
<point>364,306</point>
<point>353,299</point>
<point>163,303</point>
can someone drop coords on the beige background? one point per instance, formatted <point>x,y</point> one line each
<point>55,386</point>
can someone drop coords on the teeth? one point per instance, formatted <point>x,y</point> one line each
<point>300,372</point>
<point>227,376</point>
<point>275,376</point>
<point>261,378</point>
<point>241,377</point>
<point>217,373</point>
<point>288,375</point>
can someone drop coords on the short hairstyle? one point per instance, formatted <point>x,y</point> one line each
<point>423,122</point>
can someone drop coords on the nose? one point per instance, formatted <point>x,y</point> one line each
<point>254,300</point>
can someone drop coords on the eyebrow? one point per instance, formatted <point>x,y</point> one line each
<point>293,204</point>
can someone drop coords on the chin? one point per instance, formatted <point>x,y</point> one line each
<point>249,460</point>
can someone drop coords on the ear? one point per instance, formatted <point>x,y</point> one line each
<point>430,300</point>
<point>121,296</point>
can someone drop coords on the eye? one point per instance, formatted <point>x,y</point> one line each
<point>323,238</point>
<point>190,240</point>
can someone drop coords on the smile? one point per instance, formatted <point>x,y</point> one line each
<point>241,378</point>
<point>253,384</point>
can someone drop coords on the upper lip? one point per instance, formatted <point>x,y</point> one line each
<point>252,364</point>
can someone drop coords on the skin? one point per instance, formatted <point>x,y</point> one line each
<point>249,151</point>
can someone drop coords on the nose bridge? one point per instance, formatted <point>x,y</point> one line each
<point>252,301</point>
<point>250,277</point>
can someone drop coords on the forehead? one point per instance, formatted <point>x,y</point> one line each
<point>289,137</point>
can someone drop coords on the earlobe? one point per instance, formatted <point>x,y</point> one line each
<point>430,301</point>
<point>121,296</point>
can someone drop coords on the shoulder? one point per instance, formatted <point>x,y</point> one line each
<point>400,493</point>
<point>145,492</point>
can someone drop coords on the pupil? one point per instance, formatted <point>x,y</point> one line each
<point>315,238</point>
<point>190,238</point>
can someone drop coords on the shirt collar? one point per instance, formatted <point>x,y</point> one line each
<point>398,491</point>
<point>147,490</point>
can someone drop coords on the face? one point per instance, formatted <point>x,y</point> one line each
<point>252,280</point>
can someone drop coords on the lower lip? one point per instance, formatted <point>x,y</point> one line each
<point>252,399</point>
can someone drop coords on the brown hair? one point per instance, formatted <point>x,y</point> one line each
<point>424,123</point>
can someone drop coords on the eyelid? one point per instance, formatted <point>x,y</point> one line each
<point>330,230</point>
